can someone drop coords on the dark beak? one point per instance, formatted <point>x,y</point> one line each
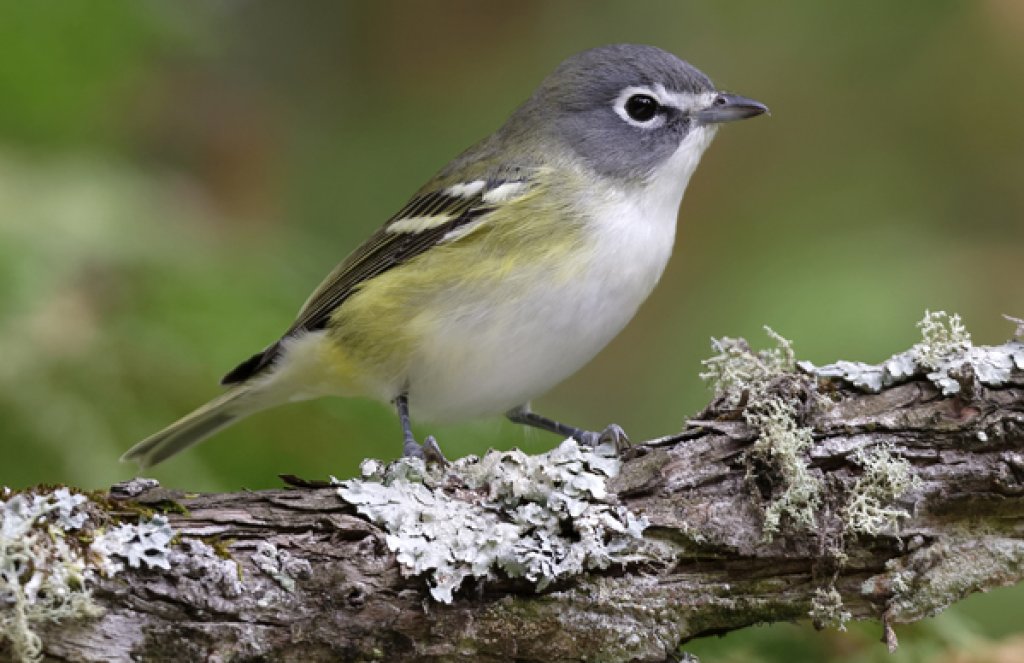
<point>729,108</point>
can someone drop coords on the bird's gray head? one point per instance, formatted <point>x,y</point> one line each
<point>626,109</point>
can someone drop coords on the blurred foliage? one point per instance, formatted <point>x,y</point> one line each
<point>175,177</point>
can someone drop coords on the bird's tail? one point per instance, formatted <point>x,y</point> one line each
<point>195,427</point>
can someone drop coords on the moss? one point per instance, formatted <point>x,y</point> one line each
<point>169,506</point>
<point>221,547</point>
<point>711,618</point>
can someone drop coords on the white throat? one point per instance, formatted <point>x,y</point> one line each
<point>633,229</point>
<point>664,188</point>
<point>637,223</point>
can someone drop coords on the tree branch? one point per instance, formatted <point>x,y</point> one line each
<point>901,503</point>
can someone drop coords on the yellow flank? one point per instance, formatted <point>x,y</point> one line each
<point>376,333</point>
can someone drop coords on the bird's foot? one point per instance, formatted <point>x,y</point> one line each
<point>613,433</point>
<point>429,451</point>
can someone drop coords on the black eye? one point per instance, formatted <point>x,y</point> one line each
<point>641,107</point>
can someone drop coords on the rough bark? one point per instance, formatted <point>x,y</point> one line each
<point>704,495</point>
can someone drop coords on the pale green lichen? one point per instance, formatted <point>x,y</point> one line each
<point>886,478</point>
<point>735,369</point>
<point>783,444</point>
<point>51,553</point>
<point>542,518</point>
<point>827,609</point>
<point>942,336</point>
<point>943,355</point>
<point>738,374</point>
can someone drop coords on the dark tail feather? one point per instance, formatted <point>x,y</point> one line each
<point>191,429</point>
<point>253,365</point>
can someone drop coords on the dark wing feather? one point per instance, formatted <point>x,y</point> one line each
<point>382,251</point>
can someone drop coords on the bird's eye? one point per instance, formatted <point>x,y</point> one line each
<point>641,107</point>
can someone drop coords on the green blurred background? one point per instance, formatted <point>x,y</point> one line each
<point>175,177</point>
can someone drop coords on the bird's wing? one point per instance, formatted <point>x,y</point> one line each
<point>433,217</point>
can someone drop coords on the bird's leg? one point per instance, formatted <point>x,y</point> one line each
<point>429,450</point>
<point>612,433</point>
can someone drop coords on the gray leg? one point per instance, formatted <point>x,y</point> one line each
<point>613,433</point>
<point>429,450</point>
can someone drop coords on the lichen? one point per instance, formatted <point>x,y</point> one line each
<point>735,369</point>
<point>542,518</point>
<point>931,578</point>
<point>42,572</point>
<point>281,565</point>
<point>885,478</point>
<point>827,609</point>
<point>740,375</point>
<point>783,444</point>
<point>945,355</point>
<point>52,550</point>
<point>198,560</point>
<point>147,542</point>
<point>942,336</point>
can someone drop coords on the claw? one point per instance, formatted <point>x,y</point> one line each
<point>429,451</point>
<point>432,452</point>
<point>613,433</point>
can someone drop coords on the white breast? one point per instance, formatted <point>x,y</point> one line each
<point>495,356</point>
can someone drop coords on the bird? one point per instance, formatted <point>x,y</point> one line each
<point>508,270</point>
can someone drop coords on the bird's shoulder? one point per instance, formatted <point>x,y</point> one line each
<point>441,213</point>
<point>447,209</point>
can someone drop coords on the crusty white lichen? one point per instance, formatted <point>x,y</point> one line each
<point>199,561</point>
<point>280,565</point>
<point>738,374</point>
<point>51,552</point>
<point>542,518</point>
<point>886,478</point>
<point>827,609</point>
<point>144,543</point>
<point>945,355</point>
<point>934,576</point>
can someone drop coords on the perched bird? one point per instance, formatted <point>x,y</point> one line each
<point>507,271</point>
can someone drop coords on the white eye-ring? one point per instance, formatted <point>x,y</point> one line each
<point>640,107</point>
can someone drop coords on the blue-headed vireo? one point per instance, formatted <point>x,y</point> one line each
<point>507,271</point>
